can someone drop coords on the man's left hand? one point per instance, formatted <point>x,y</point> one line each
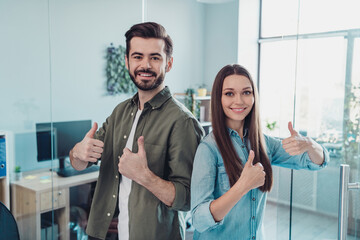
<point>134,165</point>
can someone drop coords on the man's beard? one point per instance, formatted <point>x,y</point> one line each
<point>144,86</point>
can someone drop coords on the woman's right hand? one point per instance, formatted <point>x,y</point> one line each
<point>252,176</point>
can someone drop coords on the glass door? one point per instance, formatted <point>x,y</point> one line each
<point>309,68</point>
<point>352,137</point>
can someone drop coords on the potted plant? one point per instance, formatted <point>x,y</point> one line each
<point>191,103</point>
<point>202,90</point>
<point>351,146</point>
<point>118,78</point>
<point>18,173</point>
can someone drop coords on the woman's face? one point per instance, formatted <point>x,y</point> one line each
<point>237,100</point>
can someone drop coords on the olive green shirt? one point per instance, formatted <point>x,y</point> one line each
<point>171,135</point>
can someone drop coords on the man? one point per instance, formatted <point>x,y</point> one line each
<point>146,146</point>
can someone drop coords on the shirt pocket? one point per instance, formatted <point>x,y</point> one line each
<point>156,155</point>
<point>223,179</point>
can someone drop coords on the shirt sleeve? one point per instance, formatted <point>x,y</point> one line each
<point>279,157</point>
<point>183,143</point>
<point>202,188</point>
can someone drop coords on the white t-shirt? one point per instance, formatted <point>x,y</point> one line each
<point>124,189</point>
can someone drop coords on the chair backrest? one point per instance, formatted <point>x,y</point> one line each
<point>8,226</point>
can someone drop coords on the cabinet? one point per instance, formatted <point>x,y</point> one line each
<point>4,168</point>
<point>41,193</point>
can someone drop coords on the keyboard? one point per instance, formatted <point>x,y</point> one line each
<point>69,171</point>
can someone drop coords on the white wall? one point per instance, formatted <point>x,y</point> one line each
<point>184,21</point>
<point>59,75</point>
<point>221,38</point>
<point>249,15</point>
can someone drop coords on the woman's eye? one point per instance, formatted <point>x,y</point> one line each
<point>247,92</point>
<point>229,94</point>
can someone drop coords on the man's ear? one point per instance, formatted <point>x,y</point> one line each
<point>126,62</point>
<point>169,64</point>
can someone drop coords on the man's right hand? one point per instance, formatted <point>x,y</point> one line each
<point>88,150</point>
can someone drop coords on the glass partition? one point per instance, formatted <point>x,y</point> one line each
<point>309,70</point>
<point>53,77</point>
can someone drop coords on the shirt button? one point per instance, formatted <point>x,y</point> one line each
<point>116,176</point>
<point>125,136</point>
<point>114,196</point>
<point>253,217</point>
<point>132,114</point>
<point>253,237</point>
<point>108,214</point>
<point>242,146</point>
<point>153,108</point>
<point>253,199</point>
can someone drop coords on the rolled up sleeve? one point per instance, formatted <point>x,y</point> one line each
<point>202,188</point>
<point>280,157</point>
<point>183,143</point>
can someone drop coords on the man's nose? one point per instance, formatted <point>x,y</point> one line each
<point>145,63</point>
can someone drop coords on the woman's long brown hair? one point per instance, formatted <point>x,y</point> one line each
<point>232,162</point>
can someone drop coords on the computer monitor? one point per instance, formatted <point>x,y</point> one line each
<point>56,139</point>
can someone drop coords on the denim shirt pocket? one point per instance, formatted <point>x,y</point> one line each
<point>223,179</point>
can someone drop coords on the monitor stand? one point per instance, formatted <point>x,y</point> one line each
<point>70,171</point>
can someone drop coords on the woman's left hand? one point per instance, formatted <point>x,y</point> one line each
<point>296,144</point>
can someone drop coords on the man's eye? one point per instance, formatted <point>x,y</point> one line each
<point>137,57</point>
<point>155,58</point>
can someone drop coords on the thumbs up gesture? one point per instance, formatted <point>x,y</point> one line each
<point>89,149</point>
<point>252,176</point>
<point>295,144</point>
<point>134,165</point>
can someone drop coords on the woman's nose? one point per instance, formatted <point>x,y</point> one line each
<point>238,99</point>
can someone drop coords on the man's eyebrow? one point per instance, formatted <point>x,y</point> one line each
<point>155,54</point>
<point>137,53</point>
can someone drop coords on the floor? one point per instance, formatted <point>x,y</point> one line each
<point>306,225</point>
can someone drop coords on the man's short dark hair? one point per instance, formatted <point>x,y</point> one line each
<point>149,30</point>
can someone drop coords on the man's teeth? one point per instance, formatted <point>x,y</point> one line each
<point>145,74</point>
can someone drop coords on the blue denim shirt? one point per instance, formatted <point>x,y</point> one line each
<point>210,181</point>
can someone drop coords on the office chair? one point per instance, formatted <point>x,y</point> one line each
<point>8,225</point>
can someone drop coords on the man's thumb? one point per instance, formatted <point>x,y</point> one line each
<point>141,147</point>
<point>92,131</point>
<point>250,158</point>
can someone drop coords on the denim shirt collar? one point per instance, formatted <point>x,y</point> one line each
<point>157,101</point>
<point>234,133</point>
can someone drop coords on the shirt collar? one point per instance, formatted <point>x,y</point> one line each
<point>157,101</point>
<point>232,132</point>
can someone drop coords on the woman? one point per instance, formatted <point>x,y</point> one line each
<point>232,168</point>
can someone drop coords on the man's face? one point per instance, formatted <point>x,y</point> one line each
<point>147,62</point>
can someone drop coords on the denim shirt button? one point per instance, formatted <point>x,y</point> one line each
<point>253,199</point>
<point>253,237</point>
<point>253,217</point>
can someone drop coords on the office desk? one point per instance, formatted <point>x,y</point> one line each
<point>40,193</point>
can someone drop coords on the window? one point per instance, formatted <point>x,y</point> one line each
<point>309,73</point>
